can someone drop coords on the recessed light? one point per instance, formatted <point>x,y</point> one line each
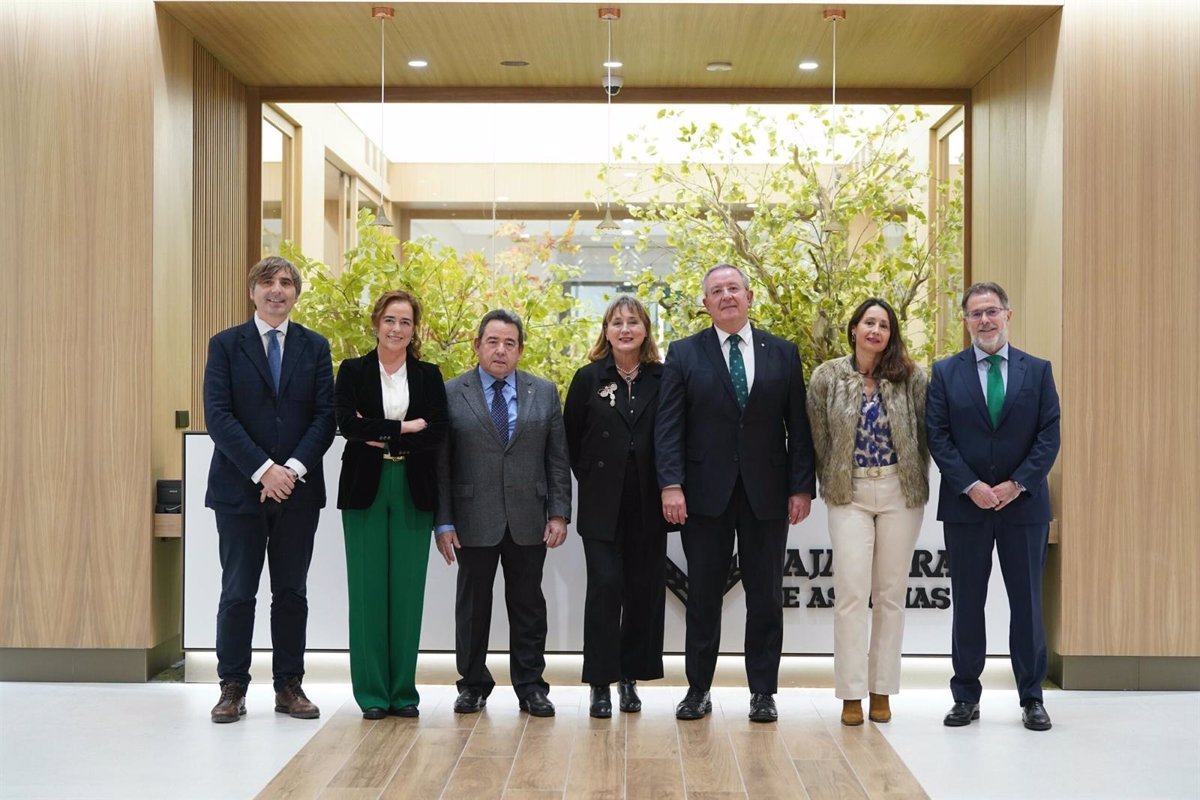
<point>503,198</point>
<point>626,232</point>
<point>418,63</point>
<point>719,66</point>
<point>516,62</point>
<point>807,65</point>
<point>612,64</point>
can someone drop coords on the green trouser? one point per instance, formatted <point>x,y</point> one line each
<point>387,553</point>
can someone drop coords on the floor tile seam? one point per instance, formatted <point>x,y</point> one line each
<point>846,756</point>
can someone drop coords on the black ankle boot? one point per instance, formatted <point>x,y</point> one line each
<point>627,693</point>
<point>601,707</point>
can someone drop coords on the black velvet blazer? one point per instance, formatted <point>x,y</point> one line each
<point>358,403</point>
<point>600,435</point>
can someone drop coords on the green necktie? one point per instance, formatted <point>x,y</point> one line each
<point>995,389</point>
<point>737,370</point>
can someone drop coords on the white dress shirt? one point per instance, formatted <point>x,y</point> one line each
<point>746,346</point>
<point>263,330</point>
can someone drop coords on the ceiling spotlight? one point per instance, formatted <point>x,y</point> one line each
<point>418,63</point>
<point>719,66</point>
<point>516,62</point>
<point>808,65</point>
<point>612,64</point>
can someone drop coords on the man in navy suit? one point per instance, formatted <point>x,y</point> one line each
<point>734,454</point>
<point>268,401</point>
<point>993,421</point>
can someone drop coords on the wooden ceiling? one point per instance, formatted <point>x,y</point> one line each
<point>664,46</point>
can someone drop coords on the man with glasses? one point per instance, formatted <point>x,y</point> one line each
<point>993,422</point>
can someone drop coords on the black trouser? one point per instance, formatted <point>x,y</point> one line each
<point>626,594</point>
<point>526,615</point>
<point>762,546</point>
<point>282,535</point>
<point>1022,552</point>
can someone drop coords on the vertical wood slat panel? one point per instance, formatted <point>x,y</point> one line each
<point>77,149</point>
<point>1131,112</point>
<point>219,297</point>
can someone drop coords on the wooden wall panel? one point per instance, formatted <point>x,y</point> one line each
<point>1131,511</point>
<point>172,368</point>
<point>219,249</point>
<point>75,482</point>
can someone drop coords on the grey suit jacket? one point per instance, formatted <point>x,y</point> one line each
<point>484,485</point>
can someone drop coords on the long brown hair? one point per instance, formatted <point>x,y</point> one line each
<point>400,296</point>
<point>894,362</point>
<point>649,350</point>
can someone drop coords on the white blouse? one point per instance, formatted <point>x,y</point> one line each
<point>395,392</point>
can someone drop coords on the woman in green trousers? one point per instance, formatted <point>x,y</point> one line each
<point>391,408</point>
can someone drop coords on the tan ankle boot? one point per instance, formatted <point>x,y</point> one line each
<point>852,712</point>
<point>880,710</point>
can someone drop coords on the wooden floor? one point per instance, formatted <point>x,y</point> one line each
<point>502,753</point>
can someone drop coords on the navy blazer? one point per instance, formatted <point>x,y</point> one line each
<point>1022,447</point>
<point>703,441</point>
<point>360,418</point>
<point>249,424</point>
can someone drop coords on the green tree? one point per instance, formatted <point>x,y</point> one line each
<point>807,234</point>
<point>455,291</point>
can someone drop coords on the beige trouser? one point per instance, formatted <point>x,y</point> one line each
<point>873,538</point>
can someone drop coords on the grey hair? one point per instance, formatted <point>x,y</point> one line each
<point>505,316</point>
<point>985,288</point>
<point>738,270</point>
<point>267,268</point>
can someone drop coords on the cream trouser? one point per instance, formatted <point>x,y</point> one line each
<point>873,538</point>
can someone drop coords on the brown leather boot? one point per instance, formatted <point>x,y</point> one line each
<point>852,712</point>
<point>232,704</point>
<point>880,710</point>
<point>292,701</point>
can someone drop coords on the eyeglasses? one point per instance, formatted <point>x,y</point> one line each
<point>980,313</point>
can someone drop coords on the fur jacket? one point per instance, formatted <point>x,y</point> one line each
<point>834,398</point>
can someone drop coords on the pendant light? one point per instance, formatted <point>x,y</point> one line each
<point>383,14</point>
<point>608,225</point>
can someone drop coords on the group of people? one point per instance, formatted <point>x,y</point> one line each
<point>722,441</point>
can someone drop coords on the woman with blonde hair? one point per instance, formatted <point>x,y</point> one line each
<point>867,411</point>
<point>609,416</point>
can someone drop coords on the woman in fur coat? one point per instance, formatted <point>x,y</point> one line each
<point>868,423</point>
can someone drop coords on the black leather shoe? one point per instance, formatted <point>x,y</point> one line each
<point>694,705</point>
<point>961,714</point>
<point>762,708</point>
<point>601,707</point>
<point>628,696</point>
<point>538,705</point>
<point>470,701</point>
<point>375,713</point>
<point>406,711</point>
<point>1035,717</point>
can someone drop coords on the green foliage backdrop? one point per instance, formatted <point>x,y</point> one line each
<point>809,237</point>
<point>455,291</point>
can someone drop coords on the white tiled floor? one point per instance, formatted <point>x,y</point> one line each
<point>155,740</point>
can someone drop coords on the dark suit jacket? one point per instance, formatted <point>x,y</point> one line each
<point>485,486</point>
<point>599,438</point>
<point>966,448</point>
<point>359,406</point>
<point>249,424</point>
<point>704,441</point>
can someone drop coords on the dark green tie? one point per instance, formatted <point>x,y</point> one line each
<point>995,389</point>
<point>737,370</point>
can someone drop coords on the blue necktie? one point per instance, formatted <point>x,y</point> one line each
<point>274,356</point>
<point>500,411</point>
<point>737,370</point>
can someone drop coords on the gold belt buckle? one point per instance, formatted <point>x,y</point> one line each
<point>874,472</point>
<point>390,457</point>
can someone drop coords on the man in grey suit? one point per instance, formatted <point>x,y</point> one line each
<point>504,497</point>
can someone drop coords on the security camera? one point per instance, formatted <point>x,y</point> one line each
<point>612,84</point>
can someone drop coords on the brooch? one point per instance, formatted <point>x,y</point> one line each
<point>609,391</point>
